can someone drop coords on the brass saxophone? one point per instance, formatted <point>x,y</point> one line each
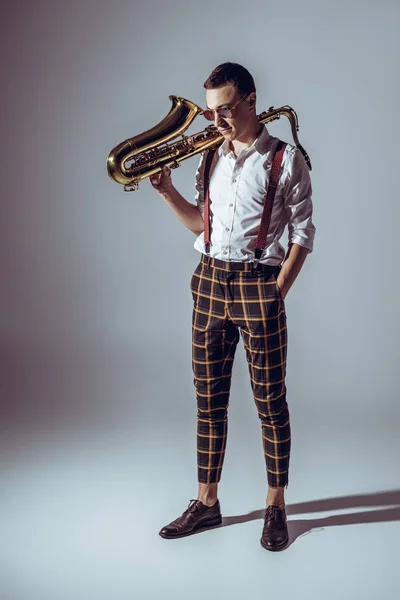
<point>148,152</point>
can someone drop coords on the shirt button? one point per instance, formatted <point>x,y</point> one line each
<point>225,252</point>
<point>226,228</point>
<point>230,204</point>
<point>234,180</point>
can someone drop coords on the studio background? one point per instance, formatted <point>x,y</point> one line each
<point>97,398</point>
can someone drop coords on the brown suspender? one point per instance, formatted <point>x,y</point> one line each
<point>272,185</point>
<point>207,227</point>
<point>270,193</point>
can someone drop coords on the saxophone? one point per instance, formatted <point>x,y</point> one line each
<point>145,154</point>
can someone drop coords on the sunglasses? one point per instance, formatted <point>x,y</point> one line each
<point>225,113</point>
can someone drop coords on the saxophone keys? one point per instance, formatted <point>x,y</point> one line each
<point>131,187</point>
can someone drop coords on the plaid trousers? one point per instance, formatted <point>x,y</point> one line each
<point>228,297</point>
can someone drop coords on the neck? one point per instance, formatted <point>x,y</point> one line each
<point>247,139</point>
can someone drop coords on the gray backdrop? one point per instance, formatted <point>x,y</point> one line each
<point>97,397</point>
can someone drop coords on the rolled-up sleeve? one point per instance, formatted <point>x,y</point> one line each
<point>297,192</point>
<point>199,186</point>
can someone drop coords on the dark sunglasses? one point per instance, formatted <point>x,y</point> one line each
<point>225,113</point>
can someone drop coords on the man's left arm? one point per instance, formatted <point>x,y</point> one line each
<point>291,267</point>
<point>297,192</point>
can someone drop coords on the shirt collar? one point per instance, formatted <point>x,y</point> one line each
<point>260,144</point>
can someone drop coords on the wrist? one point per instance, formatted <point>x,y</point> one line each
<point>166,193</point>
<point>282,288</point>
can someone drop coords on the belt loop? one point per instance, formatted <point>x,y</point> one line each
<point>208,261</point>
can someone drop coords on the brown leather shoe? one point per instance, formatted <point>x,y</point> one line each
<point>196,516</point>
<point>275,533</point>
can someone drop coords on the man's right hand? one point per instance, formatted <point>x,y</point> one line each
<point>162,182</point>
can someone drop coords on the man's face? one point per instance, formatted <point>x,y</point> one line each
<point>226,97</point>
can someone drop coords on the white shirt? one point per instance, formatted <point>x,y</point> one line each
<point>237,192</point>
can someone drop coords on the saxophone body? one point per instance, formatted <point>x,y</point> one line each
<point>145,154</point>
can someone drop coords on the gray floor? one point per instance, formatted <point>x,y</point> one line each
<point>80,515</point>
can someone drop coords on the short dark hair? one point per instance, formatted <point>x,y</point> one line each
<point>233,73</point>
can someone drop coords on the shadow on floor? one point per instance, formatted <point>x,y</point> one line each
<point>383,503</point>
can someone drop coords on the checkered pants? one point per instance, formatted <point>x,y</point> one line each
<point>229,297</point>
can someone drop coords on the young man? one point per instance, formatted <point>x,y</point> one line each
<point>234,292</point>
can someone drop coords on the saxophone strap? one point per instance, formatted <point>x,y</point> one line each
<point>271,188</point>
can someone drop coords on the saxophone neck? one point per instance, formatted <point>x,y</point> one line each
<point>275,113</point>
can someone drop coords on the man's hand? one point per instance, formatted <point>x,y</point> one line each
<point>162,182</point>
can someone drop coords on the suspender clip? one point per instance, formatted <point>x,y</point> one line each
<point>257,256</point>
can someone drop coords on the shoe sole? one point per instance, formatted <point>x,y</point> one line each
<point>204,525</point>
<point>273,548</point>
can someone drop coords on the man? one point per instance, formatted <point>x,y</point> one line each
<point>234,292</point>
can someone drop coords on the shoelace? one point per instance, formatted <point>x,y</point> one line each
<point>273,512</point>
<point>193,505</point>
